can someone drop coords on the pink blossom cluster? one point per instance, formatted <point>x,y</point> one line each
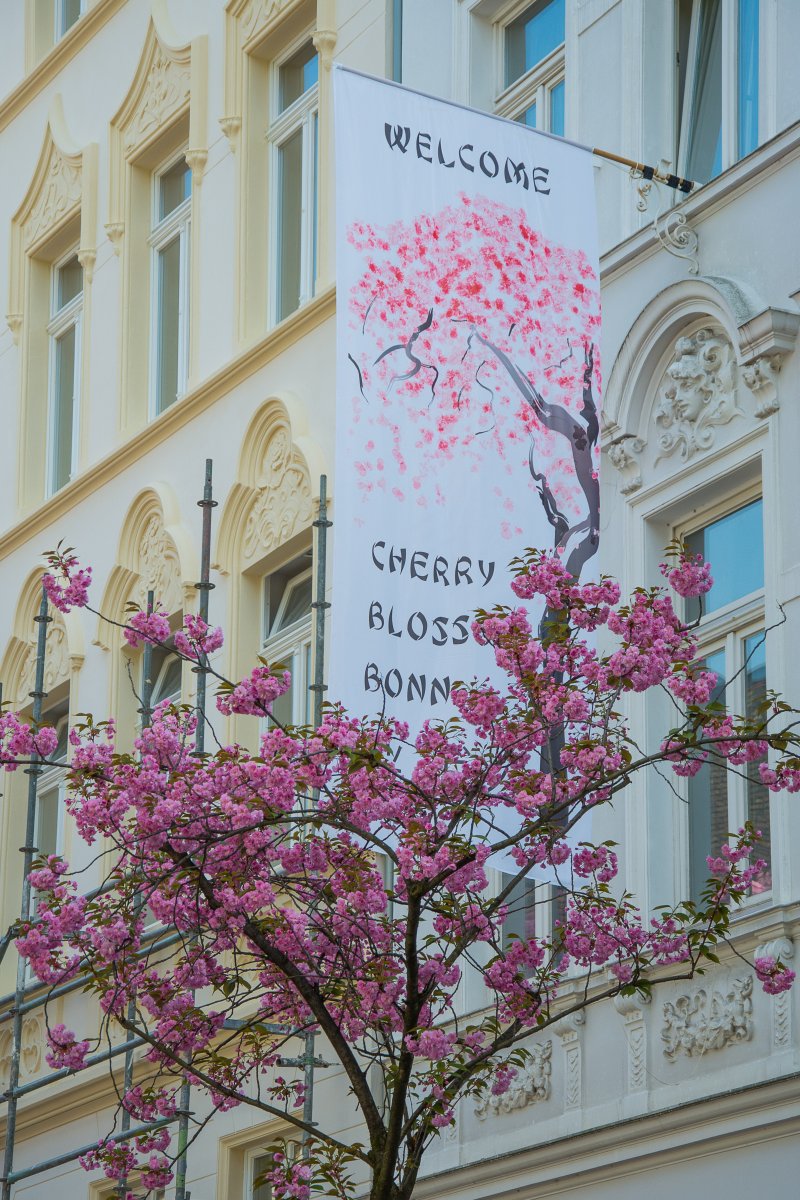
<point>67,585</point>
<point>197,639</point>
<point>256,694</point>
<point>19,741</point>
<point>690,577</point>
<point>773,975</point>
<point>147,627</point>
<point>65,1049</point>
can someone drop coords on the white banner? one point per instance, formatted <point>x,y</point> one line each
<point>468,323</point>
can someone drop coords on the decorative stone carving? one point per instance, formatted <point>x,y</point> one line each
<point>780,948</point>
<point>761,378</point>
<point>531,1084</point>
<point>114,231</point>
<point>676,235</point>
<point>698,393</point>
<point>695,1024</point>
<point>167,91</point>
<point>231,127</point>
<point>56,659</point>
<point>60,191</point>
<point>14,322</point>
<point>159,568</point>
<point>631,1009</point>
<point>283,506</point>
<point>569,1034</point>
<point>623,454</point>
<point>257,13</point>
<point>30,1055</point>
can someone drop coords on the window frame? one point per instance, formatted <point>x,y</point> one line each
<point>729,99</point>
<point>303,115</point>
<point>163,231</point>
<point>534,86</point>
<point>59,29</point>
<point>726,630</point>
<point>69,316</point>
<point>294,639</point>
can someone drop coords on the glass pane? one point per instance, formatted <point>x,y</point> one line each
<point>47,805</point>
<point>528,117</point>
<point>63,408</point>
<point>533,36</point>
<point>557,109</point>
<point>297,75</point>
<point>708,800</point>
<point>260,1191</point>
<point>297,604</point>
<point>748,76</point>
<point>69,282</point>
<point>521,919</point>
<point>705,136</point>
<point>755,690</point>
<point>67,13</point>
<point>169,273</point>
<point>290,220</point>
<point>165,676</point>
<point>314,210</point>
<point>174,186</point>
<point>283,708</point>
<point>734,546</point>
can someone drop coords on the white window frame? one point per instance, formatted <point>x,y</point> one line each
<point>59,30</point>
<point>294,640</point>
<point>536,85</point>
<point>61,321</point>
<point>726,630</point>
<point>163,231</point>
<point>730,84</point>
<point>251,1158</point>
<point>302,115</point>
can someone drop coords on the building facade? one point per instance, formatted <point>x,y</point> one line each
<point>167,259</point>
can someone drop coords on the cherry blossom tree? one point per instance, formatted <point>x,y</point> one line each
<point>468,325</point>
<point>311,885</point>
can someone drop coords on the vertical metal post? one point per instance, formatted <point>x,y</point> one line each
<point>204,587</point>
<point>320,604</point>
<point>28,851</point>
<point>127,1073</point>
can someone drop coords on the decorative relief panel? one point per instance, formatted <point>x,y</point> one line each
<point>531,1084</point>
<point>31,1061</point>
<point>761,377</point>
<point>569,1034</point>
<point>59,192</point>
<point>632,1011</point>
<point>56,661</point>
<point>623,454</point>
<point>697,1023</point>
<point>159,568</point>
<point>697,395</point>
<point>780,948</point>
<point>283,506</point>
<point>257,13</point>
<point>166,92</point>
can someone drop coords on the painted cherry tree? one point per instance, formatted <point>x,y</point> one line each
<point>475,336</point>
<point>312,886</point>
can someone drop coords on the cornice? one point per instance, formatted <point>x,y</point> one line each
<point>710,198</point>
<point>715,1123</point>
<point>220,384</point>
<point>56,59</point>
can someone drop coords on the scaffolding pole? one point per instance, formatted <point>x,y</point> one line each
<point>28,852</point>
<point>207,504</point>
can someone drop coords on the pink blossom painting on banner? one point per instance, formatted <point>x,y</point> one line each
<point>468,383</point>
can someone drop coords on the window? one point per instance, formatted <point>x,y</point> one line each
<point>732,641</point>
<point>66,14</point>
<point>520,924</point>
<point>169,242</point>
<point>293,139</point>
<point>717,65</point>
<point>255,1187</point>
<point>533,67</point>
<point>64,331</point>
<point>287,635</point>
<point>50,793</point>
<point>166,670</point>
